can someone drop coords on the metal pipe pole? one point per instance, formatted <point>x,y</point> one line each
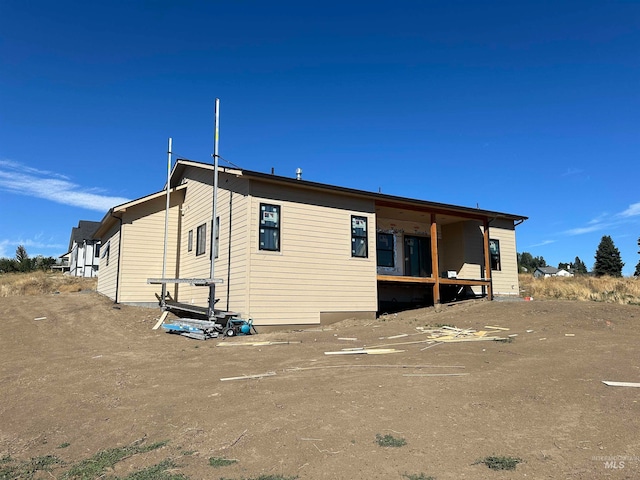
<point>214,226</point>
<point>166,226</point>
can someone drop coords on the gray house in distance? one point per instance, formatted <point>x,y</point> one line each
<point>84,250</point>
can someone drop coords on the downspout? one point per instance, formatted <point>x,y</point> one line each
<point>229,253</point>
<point>84,267</point>
<point>119,258</point>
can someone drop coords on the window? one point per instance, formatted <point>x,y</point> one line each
<point>96,249</point>
<point>201,239</point>
<point>216,240</point>
<point>106,251</point>
<point>359,237</point>
<point>269,227</point>
<point>190,241</point>
<point>384,250</point>
<point>494,253</point>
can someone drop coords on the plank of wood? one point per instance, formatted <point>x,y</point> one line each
<point>398,336</point>
<point>470,339</point>
<point>246,377</point>
<point>324,367</point>
<point>621,384</point>
<point>365,351</point>
<point>161,320</point>
<point>253,344</point>
<point>495,328</point>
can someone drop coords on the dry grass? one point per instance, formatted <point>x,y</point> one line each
<point>38,283</point>
<point>598,289</point>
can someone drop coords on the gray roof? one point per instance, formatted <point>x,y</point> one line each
<point>548,270</point>
<point>84,231</point>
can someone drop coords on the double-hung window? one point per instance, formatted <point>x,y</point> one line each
<point>494,253</point>
<point>201,239</point>
<point>359,237</point>
<point>216,240</point>
<point>269,227</point>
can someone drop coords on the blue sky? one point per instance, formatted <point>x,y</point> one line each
<point>525,107</point>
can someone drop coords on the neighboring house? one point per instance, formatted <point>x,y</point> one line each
<point>293,252</point>
<point>551,272</point>
<point>62,263</point>
<point>82,259</point>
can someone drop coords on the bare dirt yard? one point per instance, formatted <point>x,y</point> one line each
<point>91,377</point>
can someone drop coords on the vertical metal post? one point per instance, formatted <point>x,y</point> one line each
<point>214,227</point>
<point>166,226</point>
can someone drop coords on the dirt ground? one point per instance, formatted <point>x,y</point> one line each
<point>95,376</point>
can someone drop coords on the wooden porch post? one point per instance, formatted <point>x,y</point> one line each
<point>435,270</point>
<point>487,260</point>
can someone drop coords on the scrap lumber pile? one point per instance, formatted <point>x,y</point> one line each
<point>453,334</point>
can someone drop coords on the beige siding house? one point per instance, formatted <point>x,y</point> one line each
<point>293,252</point>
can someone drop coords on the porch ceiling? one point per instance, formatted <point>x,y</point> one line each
<point>416,215</point>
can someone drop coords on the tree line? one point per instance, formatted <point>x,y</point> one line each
<point>23,263</point>
<point>607,261</point>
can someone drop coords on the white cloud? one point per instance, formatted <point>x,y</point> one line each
<point>594,227</point>
<point>23,180</point>
<point>572,171</point>
<point>543,243</point>
<point>8,246</point>
<point>632,211</point>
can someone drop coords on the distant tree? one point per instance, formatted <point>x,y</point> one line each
<point>564,266</point>
<point>24,262</point>
<point>608,261</point>
<point>524,262</point>
<point>528,263</point>
<point>8,265</point>
<point>21,253</point>
<point>637,272</point>
<point>579,268</point>
<point>43,263</point>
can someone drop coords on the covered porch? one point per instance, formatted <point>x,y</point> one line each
<point>428,255</point>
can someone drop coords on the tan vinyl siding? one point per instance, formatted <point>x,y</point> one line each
<point>462,249</point>
<point>473,267</point>
<point>198,210</point>
<point>314,271</point>
<point>107,278</point>
<point>143,248</point>
<point>505,281</point>
<point>451,248</point>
